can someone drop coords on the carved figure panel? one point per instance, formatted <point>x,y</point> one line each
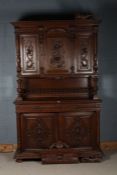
<point>29,54</point>
<point>57,58</point>
<point>58,51</point>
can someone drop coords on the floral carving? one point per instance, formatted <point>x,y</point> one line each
<point>84,54</point>
<point>84,60</point>
<point>84,57</point>
<point>29,55</point>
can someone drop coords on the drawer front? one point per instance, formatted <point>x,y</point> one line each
<point>57,106</point>
<point>37,108</point>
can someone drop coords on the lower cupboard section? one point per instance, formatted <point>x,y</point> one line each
<point>67,137</point>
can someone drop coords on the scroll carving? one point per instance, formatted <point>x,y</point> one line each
<point>59,145</point>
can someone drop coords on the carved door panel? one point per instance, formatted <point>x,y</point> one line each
<point>78,129</point>
<point>84,52</point>
<point>38,130</point>
<point>57,51</point>
<point>29,54</point>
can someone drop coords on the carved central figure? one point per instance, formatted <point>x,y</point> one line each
<point>57,60</point>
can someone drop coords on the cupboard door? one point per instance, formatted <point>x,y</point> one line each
<point>79,129</point>
<point>37,130</point>
<point>58,51</point>
<point>29,54</point>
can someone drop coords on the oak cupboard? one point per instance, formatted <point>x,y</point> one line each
<point>57,106</point>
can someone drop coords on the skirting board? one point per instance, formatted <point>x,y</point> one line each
<point>5,148</point>
<point>109,145</point>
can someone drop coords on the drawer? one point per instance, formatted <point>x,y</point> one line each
<point>57,106</point>
<point>59,158</point>
<point>36,108</point>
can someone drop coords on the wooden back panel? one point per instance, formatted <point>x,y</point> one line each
<point>57,88</point>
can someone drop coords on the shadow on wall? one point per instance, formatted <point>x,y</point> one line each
<point>66,9</point>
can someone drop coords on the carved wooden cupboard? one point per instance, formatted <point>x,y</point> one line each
<point>57,106</point>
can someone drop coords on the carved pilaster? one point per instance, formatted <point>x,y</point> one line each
<point>21,88</point>
<point>93,86</point>
<point>72,37</point>
<point>18,63</point>
<point>41,30</point>
<point>95,67</point>
<point>95,61</point>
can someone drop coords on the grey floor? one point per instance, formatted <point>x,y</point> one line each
<point>8,166</point>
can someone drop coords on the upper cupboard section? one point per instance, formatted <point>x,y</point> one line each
<point>56,47</point>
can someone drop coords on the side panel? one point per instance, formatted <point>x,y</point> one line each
<point>29,53</point>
